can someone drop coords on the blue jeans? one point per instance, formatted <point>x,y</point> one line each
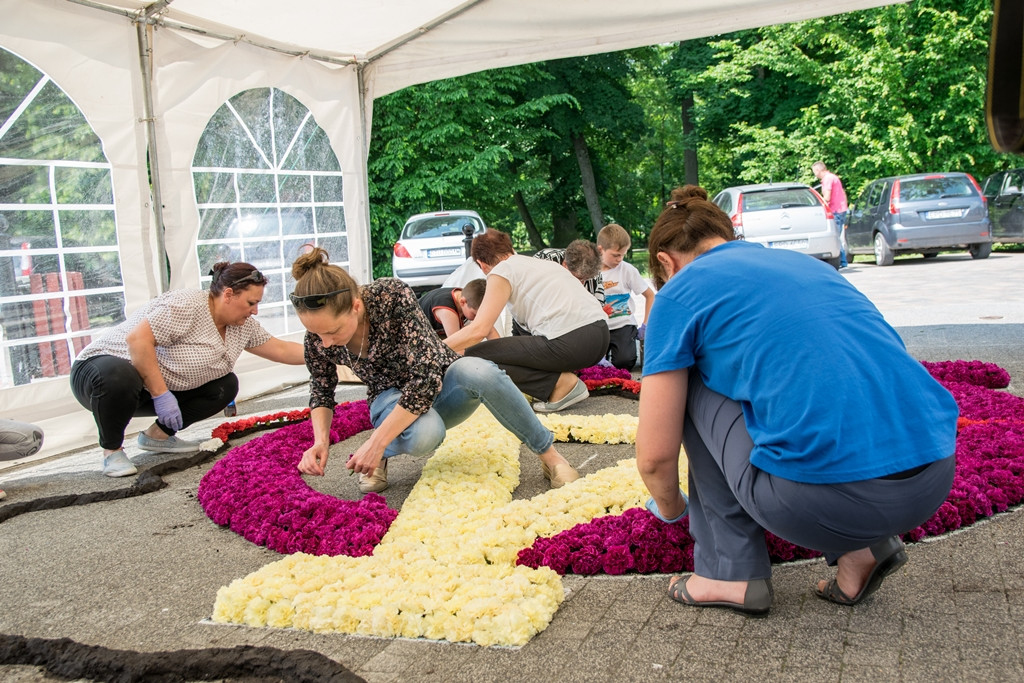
<point>468,382</point>
<point>841,226</point>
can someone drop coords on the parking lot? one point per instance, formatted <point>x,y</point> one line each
<point>950,289</point>
<point>952,306</point>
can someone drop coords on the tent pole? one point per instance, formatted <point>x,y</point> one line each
<point>145,53</point>
<point>364,135</point>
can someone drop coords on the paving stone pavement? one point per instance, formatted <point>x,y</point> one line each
<point>141,574</point>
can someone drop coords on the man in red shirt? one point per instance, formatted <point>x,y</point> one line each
<point>835,199</point>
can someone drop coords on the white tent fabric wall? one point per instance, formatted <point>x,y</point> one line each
<point>196,80</point>
<point>354,50</point>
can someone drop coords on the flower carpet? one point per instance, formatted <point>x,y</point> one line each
<point>463,561</point>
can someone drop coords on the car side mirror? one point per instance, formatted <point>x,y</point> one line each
<point>1005,87</point>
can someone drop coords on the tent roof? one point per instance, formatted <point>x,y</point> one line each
<point>413,41</point>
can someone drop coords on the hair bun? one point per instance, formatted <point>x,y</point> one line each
<point>688,192</point>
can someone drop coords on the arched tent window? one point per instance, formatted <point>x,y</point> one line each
<point>60,272</point>
<point>267,183</point>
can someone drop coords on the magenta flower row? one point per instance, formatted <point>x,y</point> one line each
<point>989,478</point>
<point>601,373</point>
<point>256,490</point>
<point>976,372</point>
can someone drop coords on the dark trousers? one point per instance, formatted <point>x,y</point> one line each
<point>112,390</point>
<point>622,347</point>
<point>534,363</point>
<point>732,502</point>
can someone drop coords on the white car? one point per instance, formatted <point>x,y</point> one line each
<point>432,246</point>
<point>783,216</point>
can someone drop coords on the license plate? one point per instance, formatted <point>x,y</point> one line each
<point>943,213</point>
<point>446,252</point>
<point>788,244</point>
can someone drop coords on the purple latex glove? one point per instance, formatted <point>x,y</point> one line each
<point>605,363</point>
<point>641,332</point>
<point>167,410</point>
<point>652,507</point>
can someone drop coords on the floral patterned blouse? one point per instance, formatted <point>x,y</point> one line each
<point>404,352</point>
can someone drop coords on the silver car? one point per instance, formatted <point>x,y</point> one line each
<point>432,245</point>
<point>783,216</point>
<point>923,213</point>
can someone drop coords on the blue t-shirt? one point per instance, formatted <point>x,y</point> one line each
<point>828,390</point>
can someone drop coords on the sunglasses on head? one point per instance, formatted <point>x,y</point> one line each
<point>255,277</point>
<point>313,301</point>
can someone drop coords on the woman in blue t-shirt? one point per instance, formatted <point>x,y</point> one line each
<point>800,410</point>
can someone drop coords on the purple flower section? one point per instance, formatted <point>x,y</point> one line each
<point>257,491</point>
<point>988,375</point>
<point>989,478</point>
<point>634,541</point>
<point>601,373</point>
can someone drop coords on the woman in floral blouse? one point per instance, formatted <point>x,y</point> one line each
<point>417,387</point>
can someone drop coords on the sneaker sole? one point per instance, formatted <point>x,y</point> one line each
<point>173,449</point>
<point>121,473</point>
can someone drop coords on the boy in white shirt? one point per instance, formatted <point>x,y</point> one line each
<point>621,281</point>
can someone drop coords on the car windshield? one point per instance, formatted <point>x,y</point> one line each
<point>778,199</point>
<point>438,226</point>
<point>939,187</point>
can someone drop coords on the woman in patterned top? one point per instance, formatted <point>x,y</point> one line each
<point>173,358</point>
<point>417,387</point>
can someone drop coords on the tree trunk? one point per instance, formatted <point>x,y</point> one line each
<point>579,145</point>
<point>565,229</point>
<point>689,141</point>
<point>536,241</point>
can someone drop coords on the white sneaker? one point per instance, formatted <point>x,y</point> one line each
<point>171,444</point>
<point>577,394</point>
<point>376,482</point>
<point>117,464</point>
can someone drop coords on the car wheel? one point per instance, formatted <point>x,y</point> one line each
<point>834,262</point>
<point>982,250</point>
<point>883,254</point>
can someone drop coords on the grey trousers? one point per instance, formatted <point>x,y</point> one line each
<point>732,502</point>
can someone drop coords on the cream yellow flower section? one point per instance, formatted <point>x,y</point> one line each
<point>446,568</point>
<point>591,428</point>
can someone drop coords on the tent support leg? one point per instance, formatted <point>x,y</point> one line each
<point>143,29</point>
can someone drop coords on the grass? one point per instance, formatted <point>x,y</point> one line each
<point>638,257</point>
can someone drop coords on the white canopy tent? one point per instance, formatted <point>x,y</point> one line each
<point>148,76</point>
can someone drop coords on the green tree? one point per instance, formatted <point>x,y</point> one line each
<point>456,143</point>
<point>893,90</point>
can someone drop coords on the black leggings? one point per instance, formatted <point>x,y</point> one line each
<point>534,363</point>
<point>112,390</point>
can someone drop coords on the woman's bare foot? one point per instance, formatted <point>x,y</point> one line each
<point>556,468</point>
<point>853,571</point>
<point>711,590</point>
<point>566,383</point>
<point>154,432</point>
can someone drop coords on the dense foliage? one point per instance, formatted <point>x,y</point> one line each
<point>551,151</point>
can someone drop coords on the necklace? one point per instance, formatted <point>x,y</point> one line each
<point>362,342</point>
